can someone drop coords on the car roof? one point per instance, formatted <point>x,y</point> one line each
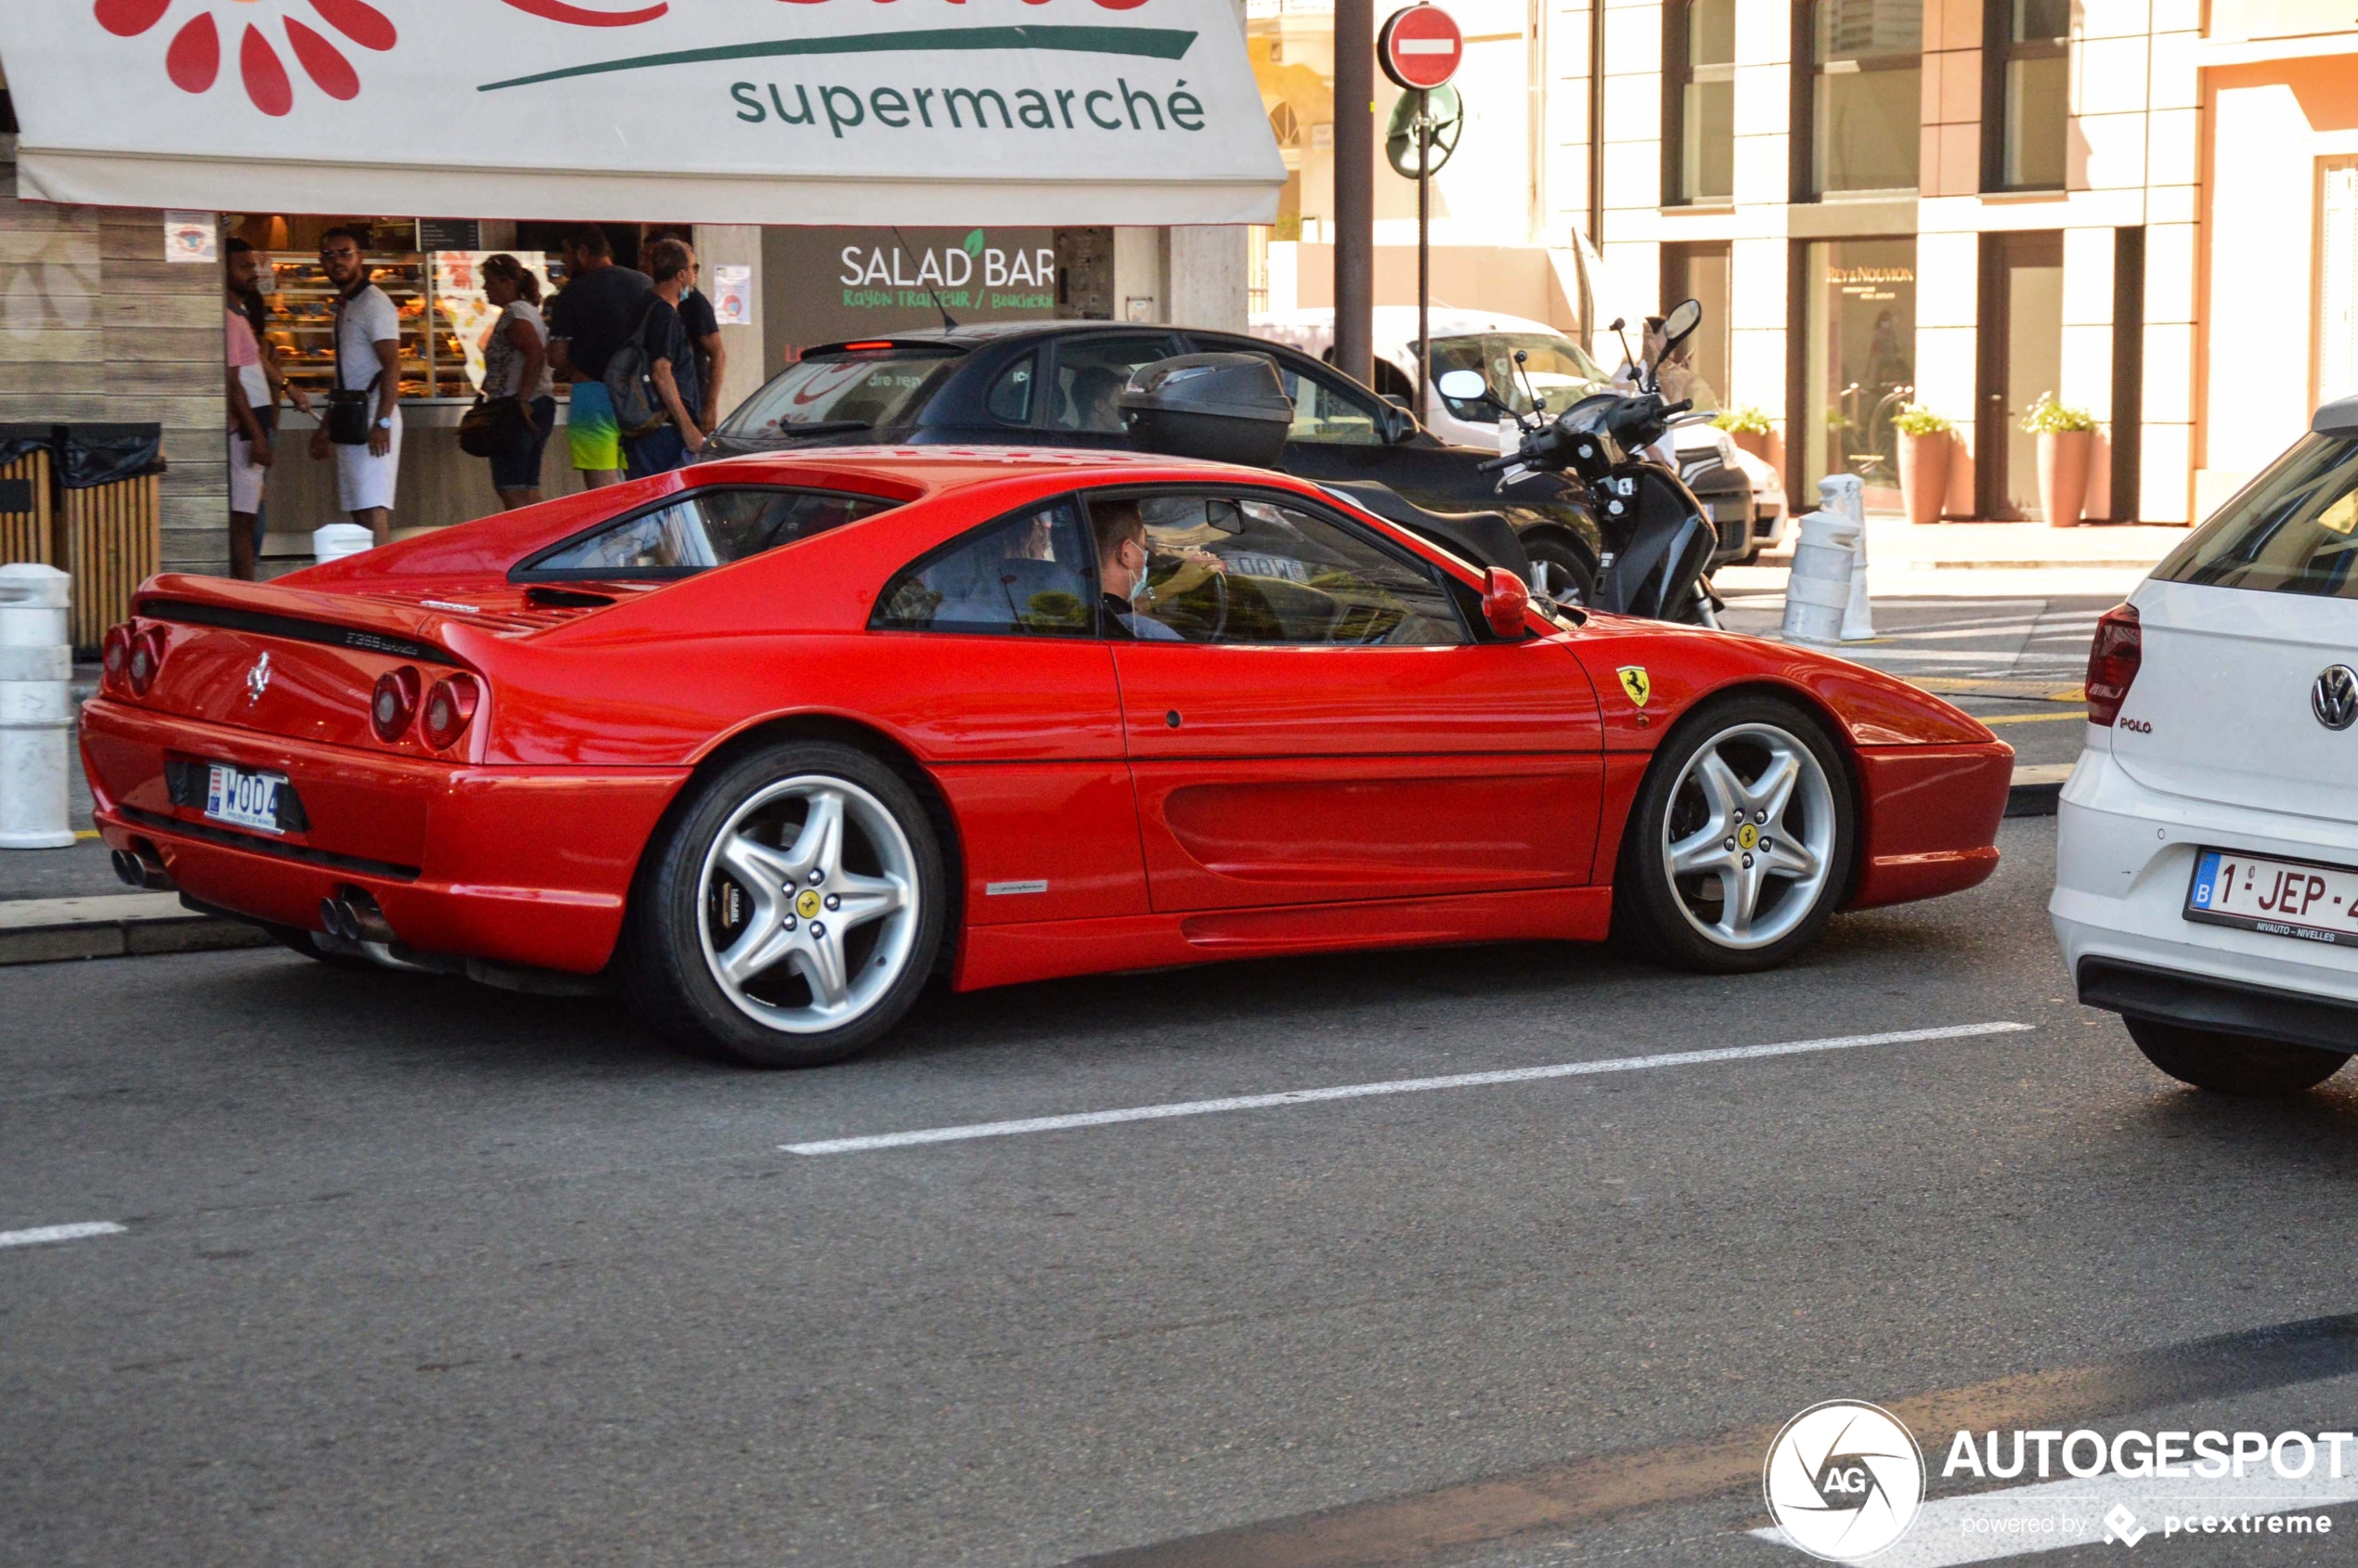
<point>974,334</point>
<point>938,470</point>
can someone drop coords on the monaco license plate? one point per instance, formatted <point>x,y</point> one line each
<point>2317,904</point>
<point>248,799</point>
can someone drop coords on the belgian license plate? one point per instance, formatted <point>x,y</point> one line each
<point>248,799</point>
<point>2317,904</point>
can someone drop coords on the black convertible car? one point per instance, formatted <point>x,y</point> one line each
<point>1059,383</point>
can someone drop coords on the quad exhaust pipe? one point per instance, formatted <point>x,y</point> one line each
<point>351,914</point>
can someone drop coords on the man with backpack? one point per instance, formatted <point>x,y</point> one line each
<point>596,312</point>
<point>653,378</point>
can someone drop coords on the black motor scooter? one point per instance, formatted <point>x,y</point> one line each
<point>1658,538</point>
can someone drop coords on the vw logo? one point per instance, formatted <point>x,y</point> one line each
<point>2334,699</point>
<point>258,679</point>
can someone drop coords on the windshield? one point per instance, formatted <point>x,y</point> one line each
<point>1557,370</point>
<point>2292,530</point>
<point>877,388</point>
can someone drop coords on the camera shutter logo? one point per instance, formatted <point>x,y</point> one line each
<point>2334,699</point>
<point>1844,1480</point>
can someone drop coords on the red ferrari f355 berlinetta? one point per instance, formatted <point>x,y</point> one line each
<point>773,740</point>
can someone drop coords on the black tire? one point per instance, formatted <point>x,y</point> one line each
<point>2233,1064</point>
<point>1657,912</point>
<point>1554,560</point>
<point>666,968</point>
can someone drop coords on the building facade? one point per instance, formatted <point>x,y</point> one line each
<point>2144,209</point>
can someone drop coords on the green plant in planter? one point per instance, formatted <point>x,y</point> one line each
<point>1914,419</point>
<point>2048,417</point>
<point>1745,420</point>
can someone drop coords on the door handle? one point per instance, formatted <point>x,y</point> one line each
<point>1171,719</point>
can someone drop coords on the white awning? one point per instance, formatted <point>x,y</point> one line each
<point>824,112</point>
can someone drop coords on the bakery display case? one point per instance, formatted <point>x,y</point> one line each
<point>433,298</point>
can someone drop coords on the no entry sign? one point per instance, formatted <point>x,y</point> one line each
<point>1420,48</point>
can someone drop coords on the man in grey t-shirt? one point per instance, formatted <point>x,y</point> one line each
<point>367,359</point>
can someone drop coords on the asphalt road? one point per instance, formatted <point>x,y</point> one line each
<point>413,1272</point>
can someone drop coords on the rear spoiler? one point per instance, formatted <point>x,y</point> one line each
<point>339,620</point>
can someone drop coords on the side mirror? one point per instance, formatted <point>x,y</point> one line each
<point>1463,386</point>
<point>1505,601</point>
<point>1679,325</point>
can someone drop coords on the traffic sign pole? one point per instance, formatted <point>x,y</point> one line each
<point>1419,49</point>
<point>1424,250</point>
<point>1356,189</point>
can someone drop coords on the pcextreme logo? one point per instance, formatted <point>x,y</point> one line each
<point>1844,1480</point>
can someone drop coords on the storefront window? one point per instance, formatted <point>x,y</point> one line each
<point>1859,356</point>
<point>2026,146</point>
<point>1865,103</point>
<point>1701,97</point>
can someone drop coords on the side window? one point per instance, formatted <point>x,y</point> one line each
<point>700,530</point>
<point>1323,410</point>
<point>1026,575</point>
<point>1248,569</point>
<point>1010,400</point>
<point>1091,373</point>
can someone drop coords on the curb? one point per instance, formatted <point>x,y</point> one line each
<point>117,926</point>
<point>2036,789</point>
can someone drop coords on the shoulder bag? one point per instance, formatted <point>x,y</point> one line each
<point>352,416</point>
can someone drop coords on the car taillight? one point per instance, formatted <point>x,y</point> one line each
<point>2112,663</point>
<point>448,709</point>
<point>116,653</point>
<point>146,658</point>
<point>394,704</point>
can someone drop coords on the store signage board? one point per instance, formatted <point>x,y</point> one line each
<point>857,282</point>
<point>1420,48</point>
<point>449,234</point>
<point>832,111</point>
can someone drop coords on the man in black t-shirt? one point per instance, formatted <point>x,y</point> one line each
<point>671,366</point>
<point>704,335</point>
<point>589,317</point>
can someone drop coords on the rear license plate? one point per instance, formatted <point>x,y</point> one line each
<point>248,799</point>
<point>2317,904</point>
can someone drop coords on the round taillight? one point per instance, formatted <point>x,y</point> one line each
<point>394,704</point>
<point>116,652</point>
<point>449,708</point>
<point>145,657</point>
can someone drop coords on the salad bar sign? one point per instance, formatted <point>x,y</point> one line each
<point>1052,112</point>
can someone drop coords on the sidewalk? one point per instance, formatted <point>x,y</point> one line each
<point>1985,560</point>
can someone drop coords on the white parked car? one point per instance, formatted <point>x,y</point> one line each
<point>1560,372</point>
<point>2207,860</point>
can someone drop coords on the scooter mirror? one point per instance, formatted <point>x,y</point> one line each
<point>1679,325</point>
<point>1463,386</point>
<point>1505,600</point>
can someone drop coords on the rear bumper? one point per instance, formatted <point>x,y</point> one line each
<point>2225,1007</point>
<point>521,867</point>
<point>2124,859</point>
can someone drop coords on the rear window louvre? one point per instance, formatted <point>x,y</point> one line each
<point>294,630</point>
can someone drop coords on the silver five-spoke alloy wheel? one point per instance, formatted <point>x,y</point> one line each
<point>1748,842</point>
<point>809,901</point>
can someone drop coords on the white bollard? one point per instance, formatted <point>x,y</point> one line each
<point>339,539</point>
<point>1847,494</point>
<point>36,708</point>
<point>1825,560</point>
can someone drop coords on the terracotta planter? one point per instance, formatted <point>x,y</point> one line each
<point>1753,441</point>
<point>2062,475</point>
<point>1924,474</point>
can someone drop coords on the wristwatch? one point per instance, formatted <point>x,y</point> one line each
<point>384,424</point>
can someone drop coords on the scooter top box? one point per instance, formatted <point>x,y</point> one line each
<point>1226,408</point>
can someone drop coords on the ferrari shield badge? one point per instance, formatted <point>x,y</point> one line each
<point>1634,681</point>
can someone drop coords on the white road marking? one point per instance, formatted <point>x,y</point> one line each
<point>1389,1086</point>
<point>2051,1515</point>
<point>59,1232</point>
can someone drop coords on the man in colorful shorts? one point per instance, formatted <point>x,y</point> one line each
<point>592,316</point>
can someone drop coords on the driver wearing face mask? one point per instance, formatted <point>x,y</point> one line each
<point>1122,558</point>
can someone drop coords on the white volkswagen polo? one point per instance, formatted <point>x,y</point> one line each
<point>2206,859</point>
